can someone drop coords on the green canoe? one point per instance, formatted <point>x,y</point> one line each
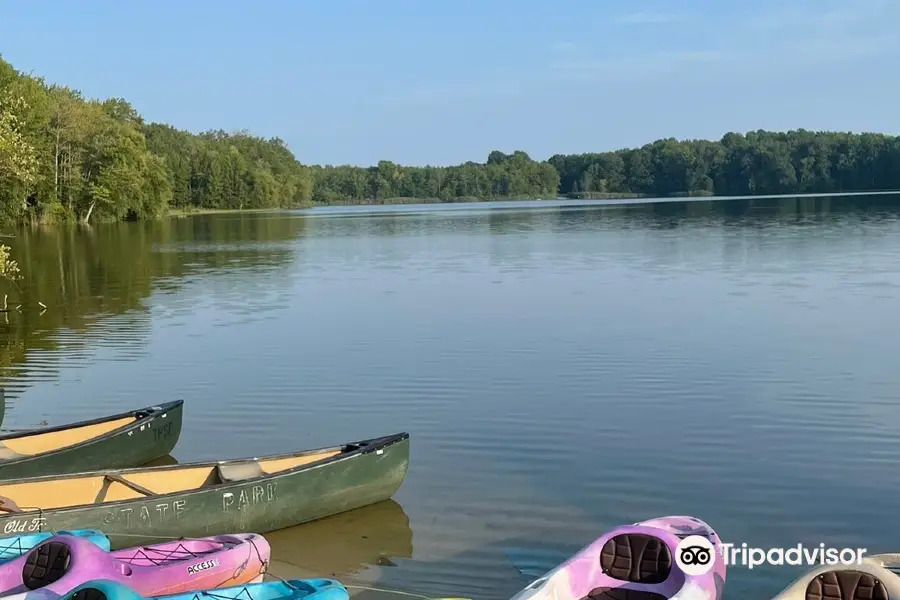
<point>147,505</point>
<point>120,441</point>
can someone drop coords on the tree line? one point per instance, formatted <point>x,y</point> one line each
<point>67,157</point>
<point>760,162</point>
<point>503,176</point>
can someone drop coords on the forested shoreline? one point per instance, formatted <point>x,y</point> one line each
<point>66,157</point>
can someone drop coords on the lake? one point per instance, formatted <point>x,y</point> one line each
<point>561,368</point>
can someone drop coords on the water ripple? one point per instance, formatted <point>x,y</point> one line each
<point>561,371</point>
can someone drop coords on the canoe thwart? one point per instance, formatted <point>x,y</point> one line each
<point>9,505</point>
<point>7,453</point>
<point>115,477</point>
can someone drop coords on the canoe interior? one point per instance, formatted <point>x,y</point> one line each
<point>82,490</point>
<point>40,443</point>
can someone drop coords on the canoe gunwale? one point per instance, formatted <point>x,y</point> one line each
<point>362,448</point>
<point>143,417</point>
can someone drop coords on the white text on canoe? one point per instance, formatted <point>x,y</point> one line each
<point>145,516</point>
<point>160,431</point>
<point>257,494</point>
<point>23,525</point>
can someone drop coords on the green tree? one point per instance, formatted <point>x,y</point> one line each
<point>63,156</point>
<point>18,160</point>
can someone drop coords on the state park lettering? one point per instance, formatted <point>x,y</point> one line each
<point>146,515</point>
<point>257,494</point>
<point>150,515</point>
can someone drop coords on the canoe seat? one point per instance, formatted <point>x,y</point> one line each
<point>6,453</point>
<point>240,472</point>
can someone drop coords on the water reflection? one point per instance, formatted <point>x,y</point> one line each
<point>503,220</point>
<point>96,283</point>
<point>163,461</point>
<point>344,544</point>
<point>759,326</point>
<point>487,571</point>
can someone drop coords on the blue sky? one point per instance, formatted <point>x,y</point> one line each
<point>441,82</point>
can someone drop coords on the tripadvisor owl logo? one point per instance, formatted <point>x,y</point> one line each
<point>695,555</point>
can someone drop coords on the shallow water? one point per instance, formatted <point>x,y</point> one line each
<point>561,370</point>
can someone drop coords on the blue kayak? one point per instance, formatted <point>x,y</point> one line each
<point>292,589</point>
<point>17,545</point>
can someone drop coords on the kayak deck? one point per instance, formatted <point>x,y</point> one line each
<point>291,589</point>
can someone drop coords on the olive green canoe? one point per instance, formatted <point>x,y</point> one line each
<point>120,441</point>
<point>146,505</point>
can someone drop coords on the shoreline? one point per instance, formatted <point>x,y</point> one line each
<point>611,199</point>
<point>181,212</point>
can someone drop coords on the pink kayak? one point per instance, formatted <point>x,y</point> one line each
<point>63,562</point>
<point>668,558</point>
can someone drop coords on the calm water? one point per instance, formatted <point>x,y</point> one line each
<point>561,370</point>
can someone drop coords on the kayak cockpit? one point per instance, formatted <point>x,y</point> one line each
<point>111,486</point>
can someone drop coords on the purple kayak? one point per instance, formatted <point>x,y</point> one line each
<point>659,559</point>
<point>63,562</point>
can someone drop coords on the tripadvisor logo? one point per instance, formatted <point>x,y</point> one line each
<point>695,555</point>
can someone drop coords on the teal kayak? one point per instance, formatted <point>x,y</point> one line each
<point>292,589</point>
<point>17,545</point>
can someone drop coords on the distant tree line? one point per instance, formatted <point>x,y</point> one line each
<point>513,175</point>
<point>757,163</point>
<point>65,157</point>
<point>760,162</point>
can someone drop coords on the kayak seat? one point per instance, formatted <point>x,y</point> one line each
<point>89,594</point>
<point>46,564</point>
<point>240,472</point>
<point>636,558</point>
<point>7,453</point>
<point>622,594</point>
<point>846,585</point>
